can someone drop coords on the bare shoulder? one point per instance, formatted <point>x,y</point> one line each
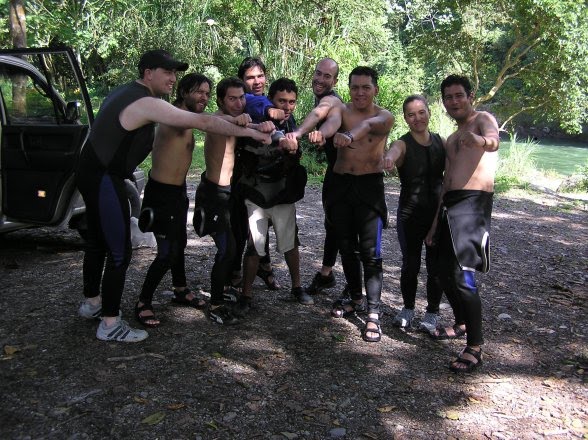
<point>331,101</point>
<point>384,112</point>
<point>485,123</point>
<point>484,116</point>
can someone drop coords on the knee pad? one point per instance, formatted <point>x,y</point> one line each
<point>372,264</point>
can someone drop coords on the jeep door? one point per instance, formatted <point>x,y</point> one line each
<point>46,115</point>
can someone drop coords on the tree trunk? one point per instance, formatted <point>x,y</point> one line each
<point>18,24</point>
<point>18,33</point>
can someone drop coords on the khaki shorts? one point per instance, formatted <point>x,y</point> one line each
<point>283,218</point>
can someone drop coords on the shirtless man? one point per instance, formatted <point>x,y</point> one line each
<point>165,201</point>
<point>325,98</point>
<point>356,205</point>
<point>212,211</point>
<point>464,221</point>
<point>121,138</point>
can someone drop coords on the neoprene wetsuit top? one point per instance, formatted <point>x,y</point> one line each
<point>421,178</point>
<point>111,149</point>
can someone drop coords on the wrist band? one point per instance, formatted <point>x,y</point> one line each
<point>348,134</point>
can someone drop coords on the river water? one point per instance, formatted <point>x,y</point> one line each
<point>560,156</point>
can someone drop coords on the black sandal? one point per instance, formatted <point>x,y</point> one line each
<point>469,364</point>
<point>265,275</point>
<point>149,320</point>
<point>344,307</point>
<point>180,297</point>
<point>442,335</point>
<point>367,330</point>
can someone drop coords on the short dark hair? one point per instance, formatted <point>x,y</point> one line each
<point>282,84</point>
<point>415,97</point>
<point>456,80</point>
<point>365,71</point>
<point>224,85</point>
<point>247,64</point>
<point>188,83</point>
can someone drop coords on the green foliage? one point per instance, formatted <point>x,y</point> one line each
<point>528,56</point>
<point>583,183</point>
<point>577,182</point>
<point>518,163</point>
<point>504,183</point>
<point>314,161</point>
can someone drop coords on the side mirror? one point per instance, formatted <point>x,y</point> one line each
<point>72,111</point>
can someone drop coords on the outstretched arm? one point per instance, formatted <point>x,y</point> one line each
<point>487,137</point>
<point>318,114</point>
<point>147,110</point>
<point>395,155</point>
<point>378,125</point>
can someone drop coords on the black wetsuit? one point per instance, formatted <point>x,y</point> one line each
<point>421,180</point>
<point>212,216</point>
<point>464,248</point>
<point>356,207</point>
<point>109,157</point>
<point>330,248</point>
<point>168,205</point>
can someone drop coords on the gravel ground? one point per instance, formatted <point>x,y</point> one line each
<point>291,371</point>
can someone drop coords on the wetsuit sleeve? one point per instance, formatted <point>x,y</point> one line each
<point>257,106</point>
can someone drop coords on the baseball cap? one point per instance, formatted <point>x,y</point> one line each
<point>153,59</point>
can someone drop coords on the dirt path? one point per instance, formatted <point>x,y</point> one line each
<point>290,371</point>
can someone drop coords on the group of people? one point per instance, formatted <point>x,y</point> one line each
<point>253,179</point>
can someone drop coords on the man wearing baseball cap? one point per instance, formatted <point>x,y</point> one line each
<point>153,59</point>
<point>120,139</point>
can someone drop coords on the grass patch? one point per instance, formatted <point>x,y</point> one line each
<point>504,183</point>
<point>519,161</point>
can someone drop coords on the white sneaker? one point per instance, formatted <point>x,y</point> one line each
<point>89,311</point>
<point>404,318</point>
<point>120,331</point>
<point>429,322</point>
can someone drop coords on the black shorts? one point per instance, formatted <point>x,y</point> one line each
<point>164,210</point>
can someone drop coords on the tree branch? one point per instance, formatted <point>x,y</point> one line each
<point>522,110</point>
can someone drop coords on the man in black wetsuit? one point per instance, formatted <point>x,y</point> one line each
<point>212,215</point>
<point>464,220</point>
<point>120,139</point>
<point>356,205</point>
<point>325,98</point>
<point>419,156</point>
